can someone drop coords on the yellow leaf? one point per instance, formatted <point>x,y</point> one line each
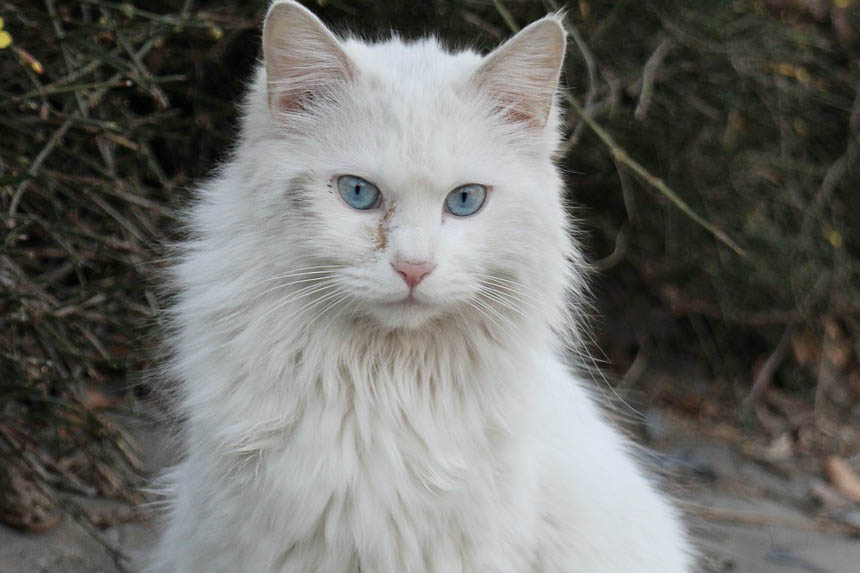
<point>834,238</point>
<point>785,69</point>
<point>34,64</point>
<point>1,22</point>
<point>799,126</point>
<point>584,9</point>
<point>215,32</point>
<point>5,39</point>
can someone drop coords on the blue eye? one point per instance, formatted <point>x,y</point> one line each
<point>466,200</point>
<point>358,193</point>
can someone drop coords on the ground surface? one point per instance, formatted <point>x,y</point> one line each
<point>748,517</point>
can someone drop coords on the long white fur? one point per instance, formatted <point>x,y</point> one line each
<point>330,428</point>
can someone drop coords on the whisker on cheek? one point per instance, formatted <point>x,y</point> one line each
<point>497,298</point>
<point>279,306</point>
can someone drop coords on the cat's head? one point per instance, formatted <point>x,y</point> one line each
<point>417,183</point>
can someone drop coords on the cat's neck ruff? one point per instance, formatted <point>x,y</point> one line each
<point>460,353</point>
<point>470,383</point>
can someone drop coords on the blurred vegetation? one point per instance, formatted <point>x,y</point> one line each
<point>712,152</point>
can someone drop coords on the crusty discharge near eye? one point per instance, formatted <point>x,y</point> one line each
<point>379,233</point>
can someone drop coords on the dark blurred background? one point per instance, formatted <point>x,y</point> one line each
<point>711,154</point>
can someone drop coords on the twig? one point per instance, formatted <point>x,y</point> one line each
<point>61,89</point>
<point>681,306</point>
<point>637,368</point>
<point>590,67</point>
<point>33,170</point>
<point>145,76</point>
<point>773,362</point>
<point>626,193</point>
<point>835,173</point>
<point>479,22</point>
<point>749,518</point>
<point>618,252</point>
<point>648,75</point>
<point>61,36</point>
<point>128,9</point>
<point>76,75</point>
<point>506,16</point>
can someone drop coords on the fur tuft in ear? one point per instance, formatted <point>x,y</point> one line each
<point>303,58</point>
<point>522,74</point>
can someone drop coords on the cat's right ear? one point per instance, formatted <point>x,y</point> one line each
<point>303,59</point>
<point>522,75</point>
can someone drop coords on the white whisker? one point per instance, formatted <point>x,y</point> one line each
<point>300,293</point>
<point>291,299</point>
<point>317,279</point>
<point>327,308</point>
<point>505,322</point>
<point>313,303</point>
<point>511,286</point>
<point>501,300</point>
<point>310,271</point>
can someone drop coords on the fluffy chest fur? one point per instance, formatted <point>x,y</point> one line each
<point>398,455</point>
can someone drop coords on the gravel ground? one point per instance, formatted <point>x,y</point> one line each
<point>751,518</point>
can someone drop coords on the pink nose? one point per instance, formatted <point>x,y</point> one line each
<point>413,273</point>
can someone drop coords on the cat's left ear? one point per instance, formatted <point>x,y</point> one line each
<point>304,60</point>
<point>522,74</point>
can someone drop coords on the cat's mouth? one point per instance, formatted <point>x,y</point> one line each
<point>408,312</point>
<point>408,300</point>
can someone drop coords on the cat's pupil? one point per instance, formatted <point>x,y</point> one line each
<point>463,196</point>
<point>357,189</point>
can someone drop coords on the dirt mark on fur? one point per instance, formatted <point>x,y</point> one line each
<point>379,233</point>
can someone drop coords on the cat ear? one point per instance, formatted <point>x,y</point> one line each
<point>522,74</point>
<point>303,58</point>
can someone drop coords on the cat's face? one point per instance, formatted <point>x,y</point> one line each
<point>414,191</point>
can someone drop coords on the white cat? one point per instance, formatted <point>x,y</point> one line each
<point>372,315</point>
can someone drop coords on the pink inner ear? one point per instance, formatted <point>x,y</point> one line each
<point>516,111</point>
<point>294,101</point>
<point>523,73</point>
<point>527,101</point>
<point>519,116</point>
<point>304,61</point>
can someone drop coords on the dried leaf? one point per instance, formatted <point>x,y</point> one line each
<point>25,503</point>
<point>804,348</point>
<point>843,477</point>
<point>95,399</point>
